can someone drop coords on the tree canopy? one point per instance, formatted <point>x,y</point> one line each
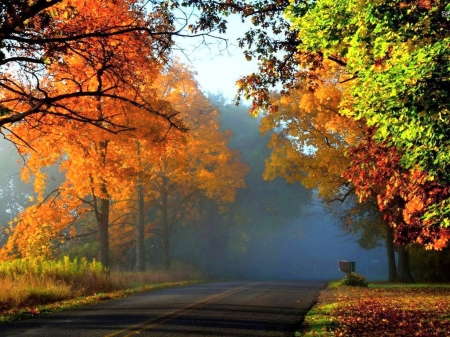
<point>396,58</point>
<point>53,53</point>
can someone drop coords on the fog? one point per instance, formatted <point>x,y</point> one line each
<point>308,247</point>
<point>297,239</point>
<point>274,230</point>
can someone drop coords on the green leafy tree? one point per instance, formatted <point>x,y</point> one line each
<point>396,58</point>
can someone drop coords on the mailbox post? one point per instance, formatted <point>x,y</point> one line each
<point>347,267</point>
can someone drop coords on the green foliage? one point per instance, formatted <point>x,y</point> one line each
<point>355,280</point>
<point>397,61</point>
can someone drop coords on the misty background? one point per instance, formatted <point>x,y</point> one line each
<point>274,230</point>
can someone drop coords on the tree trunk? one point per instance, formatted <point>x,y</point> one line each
<point>165,226</point>
<point>103,214</point>
<point>103,236</point>
<point>403,270</point>
<point>140,233</point>
<point>166,252</point>
<point>389,238</point>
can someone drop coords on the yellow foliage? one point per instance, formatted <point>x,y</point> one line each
<point>310,136</point>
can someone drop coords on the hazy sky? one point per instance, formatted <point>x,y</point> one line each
<point>218,67</point>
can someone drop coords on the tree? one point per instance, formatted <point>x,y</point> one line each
<point>310,144</point>
<point>403,195</point>
<point>197,162</point>
<point>396,58</point>
<point>40,38</point>
<point>98,165</point>
<point>99,168</point>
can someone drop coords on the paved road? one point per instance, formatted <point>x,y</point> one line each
<point>212,309</point>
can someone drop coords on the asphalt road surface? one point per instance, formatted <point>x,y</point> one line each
<point>275,308</point>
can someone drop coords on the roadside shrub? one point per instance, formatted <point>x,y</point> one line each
<point>355,280</point>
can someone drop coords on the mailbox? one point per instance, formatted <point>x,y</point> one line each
<point>347,267</point>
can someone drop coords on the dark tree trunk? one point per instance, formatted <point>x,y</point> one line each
<point>140,233</point>
<point>390,250</point>
<point>103,236</point>
<point>403,270</point>
<point>103,214</point>
<point>166,253</point>
<point>165,226</point>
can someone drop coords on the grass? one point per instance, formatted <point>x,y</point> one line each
<point>320,321</point>
<point>32,287</point>
<point>382,309</point>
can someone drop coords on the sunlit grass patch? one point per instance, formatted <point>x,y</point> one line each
<point>17,313</point>
<point>334,284</point>
<point>320,321</point>
<point>408,285</point>
<point>31,287</point>
<point>24,291</point>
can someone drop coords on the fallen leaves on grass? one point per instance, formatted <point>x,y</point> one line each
<point>393,312</point>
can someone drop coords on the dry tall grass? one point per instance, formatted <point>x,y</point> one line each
<point>25,283</point>
<point>29,291</point>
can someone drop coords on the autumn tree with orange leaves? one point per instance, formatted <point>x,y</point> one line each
<point>314,144</point>
<point>403,196</point>
<point>192,164</point>
<point>94,160</point>
<point>99,166</point>
<point>113,176</point>
<point>43,42</point>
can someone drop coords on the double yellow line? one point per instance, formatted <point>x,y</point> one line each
<point>151,323</point>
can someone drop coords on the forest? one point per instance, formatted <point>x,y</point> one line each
<point>112,152</point>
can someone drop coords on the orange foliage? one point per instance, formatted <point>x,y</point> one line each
<point>102,165</point>
<point>199,158</point>
<point>83,51</point>
<point>403,195</point>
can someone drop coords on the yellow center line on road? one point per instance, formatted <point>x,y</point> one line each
<point>147,325</point>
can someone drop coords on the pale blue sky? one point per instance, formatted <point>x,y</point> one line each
<point>219,68</point>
